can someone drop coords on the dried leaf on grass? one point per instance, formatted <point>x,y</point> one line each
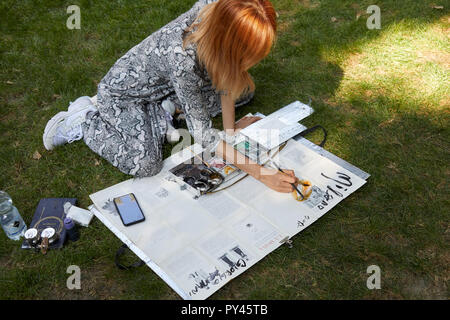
<point>36,155</point>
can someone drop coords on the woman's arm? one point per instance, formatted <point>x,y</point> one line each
<point>228,117</point>
<point>272,178</point>
<point>228,114</point>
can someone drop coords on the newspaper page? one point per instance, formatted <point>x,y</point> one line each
<point>202,244</point>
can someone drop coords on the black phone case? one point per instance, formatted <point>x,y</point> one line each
<point>120,215</point>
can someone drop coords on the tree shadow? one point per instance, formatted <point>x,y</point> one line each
<point>402,144</point>
<point>313,38</point>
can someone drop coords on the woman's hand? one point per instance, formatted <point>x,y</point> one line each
<point>277,180</point>
<point>245,122</point>
<point>272,178</point>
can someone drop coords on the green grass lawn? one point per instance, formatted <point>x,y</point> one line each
<point>382,94</point>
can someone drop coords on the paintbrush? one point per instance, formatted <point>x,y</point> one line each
<point>293,185</point>
<point>198,157</point>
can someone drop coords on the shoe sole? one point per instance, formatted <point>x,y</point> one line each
<point>52,125</point>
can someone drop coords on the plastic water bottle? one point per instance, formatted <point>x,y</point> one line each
<point>10,219</point>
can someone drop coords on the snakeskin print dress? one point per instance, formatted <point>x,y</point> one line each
<point>129,128</point>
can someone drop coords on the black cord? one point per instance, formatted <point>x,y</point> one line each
<point>312,129</point>
<point>120,252</point>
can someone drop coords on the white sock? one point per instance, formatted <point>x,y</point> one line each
<point>169,107</point>
<point>172,134</point>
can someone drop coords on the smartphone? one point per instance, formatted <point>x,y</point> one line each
<point>129,210</point>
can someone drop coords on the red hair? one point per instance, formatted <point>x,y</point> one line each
<point>231,37</point>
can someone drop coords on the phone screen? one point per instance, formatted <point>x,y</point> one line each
<point>129,209</point>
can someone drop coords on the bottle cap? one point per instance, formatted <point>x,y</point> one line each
<point>31,233</point>
<point>68,223</point>
<point>48,233</point>
<point>32,236</point>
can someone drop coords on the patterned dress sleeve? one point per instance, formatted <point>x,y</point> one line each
<point>187,82</point>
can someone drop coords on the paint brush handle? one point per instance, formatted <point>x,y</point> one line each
<point>293,185</point>
<point>200,158</point>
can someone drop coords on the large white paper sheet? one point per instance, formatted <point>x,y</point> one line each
<point>197,246</point>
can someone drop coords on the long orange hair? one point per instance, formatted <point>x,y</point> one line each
<point>231,37</point>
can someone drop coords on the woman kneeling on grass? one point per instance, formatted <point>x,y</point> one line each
<point>197,64</point>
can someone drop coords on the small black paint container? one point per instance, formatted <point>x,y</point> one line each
<point>71,228</point>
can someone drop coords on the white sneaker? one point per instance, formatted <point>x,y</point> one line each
<point>94,100</point>
<point>172,134</point>
<point>65,127</point>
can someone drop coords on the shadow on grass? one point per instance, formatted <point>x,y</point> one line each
<point>396,221</point>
